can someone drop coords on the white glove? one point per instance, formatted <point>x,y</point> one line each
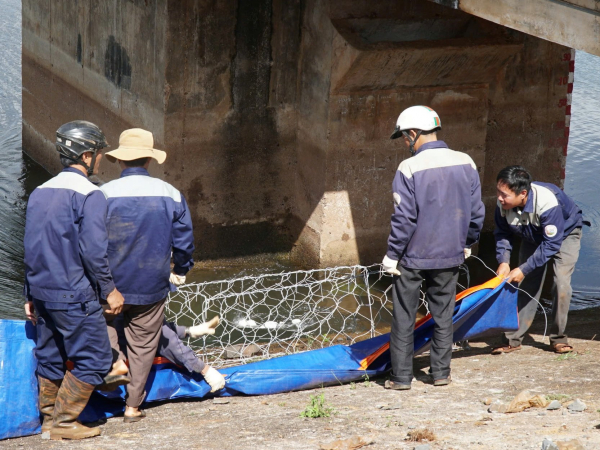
<point>390,266</point>
<point>177,280</point>
<point>215,380</point>
<point>204,328</point>
<point>467,252</point>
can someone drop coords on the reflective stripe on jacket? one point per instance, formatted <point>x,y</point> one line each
<point>147,220</point>
<point>66,241</point>
<point>438,209</point>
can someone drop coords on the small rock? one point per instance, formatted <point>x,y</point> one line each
<point>220,401</point>
<point>391,407</point>
<point>554,404</point>
<point>241,351</point>
<point>577,406</point>
<point>543,413</point>
<point>572,444</point>
<point>46,435</point>
<point>423,447</point>
<point>547,444</point>
<point>352,443</point>
<point>487,401</point>
<point>411,427</point>
<point>497,407</point>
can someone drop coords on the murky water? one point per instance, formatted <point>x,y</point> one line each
<point>583,181</point>
<point>19,176</point>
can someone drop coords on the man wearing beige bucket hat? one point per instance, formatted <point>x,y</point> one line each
<point>148,221</point>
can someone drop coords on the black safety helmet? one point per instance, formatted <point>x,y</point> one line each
<point>75,138</point>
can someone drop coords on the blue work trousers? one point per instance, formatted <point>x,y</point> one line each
<point>172,347</point>
<point>75,332</point>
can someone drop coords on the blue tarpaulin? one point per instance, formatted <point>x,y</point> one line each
<point>19,415</point>
<point>487,310</point>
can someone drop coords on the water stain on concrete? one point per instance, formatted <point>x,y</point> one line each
<point>117,67</point>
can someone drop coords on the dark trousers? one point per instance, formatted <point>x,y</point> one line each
<point>142,324</point>
<point>564,265</point>
<point>171,347</point>
<point>75,332</point>
<point>440,296</point>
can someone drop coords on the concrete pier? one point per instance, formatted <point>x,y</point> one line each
<point>276,114</point>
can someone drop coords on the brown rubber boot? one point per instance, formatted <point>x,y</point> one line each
<point>47,398</point>
<point>72,397</point>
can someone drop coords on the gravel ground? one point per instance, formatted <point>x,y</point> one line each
<point>457,414</point>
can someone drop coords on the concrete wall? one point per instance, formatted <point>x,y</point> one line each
<point>78,60</point>
<point>276,114</point>
<point>575,23</point>
<point>500,95</point>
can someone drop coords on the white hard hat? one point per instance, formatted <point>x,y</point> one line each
<point>416,118</point>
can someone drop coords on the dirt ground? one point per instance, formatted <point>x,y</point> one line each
<point>456,414</point>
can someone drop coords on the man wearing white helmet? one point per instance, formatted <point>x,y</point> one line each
<point>438,215</point>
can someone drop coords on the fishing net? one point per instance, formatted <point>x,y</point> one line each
<point>276,314</point>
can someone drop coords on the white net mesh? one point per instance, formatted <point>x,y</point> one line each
<point>276,314</point>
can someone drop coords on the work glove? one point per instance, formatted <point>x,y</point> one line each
<point>467,252</point>
<point>390,266</point>
<point>177,280</point>
<point>215,380</point>
<point>203,328</point>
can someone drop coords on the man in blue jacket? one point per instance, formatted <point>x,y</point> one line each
<point>66,274</point>
<point>438,215</point>
<point>549,225</point>
<point>148,219</point>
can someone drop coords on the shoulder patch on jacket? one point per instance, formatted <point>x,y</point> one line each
<point>550,230</point>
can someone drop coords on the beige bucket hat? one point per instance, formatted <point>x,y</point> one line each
<point>134,144</point>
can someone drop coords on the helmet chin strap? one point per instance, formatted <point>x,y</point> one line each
<point>412,141</point>
<point>90,168</point>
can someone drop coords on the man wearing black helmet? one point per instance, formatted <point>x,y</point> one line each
<point>66,274</point>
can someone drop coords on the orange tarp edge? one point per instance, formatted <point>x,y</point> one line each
<point>157,360</point>
<point>491,284</point>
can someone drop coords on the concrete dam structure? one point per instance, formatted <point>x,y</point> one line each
<point>276,114</point>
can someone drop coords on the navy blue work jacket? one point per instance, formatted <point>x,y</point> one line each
<point>548,217</point>
<point>438,209</point>
<point>147,220</point>
<point>66,241</point>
